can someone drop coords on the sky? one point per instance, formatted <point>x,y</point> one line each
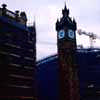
<point>45,14</point>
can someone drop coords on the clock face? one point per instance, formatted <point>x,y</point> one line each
<point>61,34</point>
<point>71,34</point>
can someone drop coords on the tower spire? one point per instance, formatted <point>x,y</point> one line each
<point>65,11</point>
<point>65,6</point>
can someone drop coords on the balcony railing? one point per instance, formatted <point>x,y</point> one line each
<point>14,16</point>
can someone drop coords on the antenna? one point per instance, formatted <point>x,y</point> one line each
<point>34,23</point>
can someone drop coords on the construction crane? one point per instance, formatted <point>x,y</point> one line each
<point>91,35</point>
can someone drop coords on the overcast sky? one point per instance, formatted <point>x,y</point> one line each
<point>46,12</point>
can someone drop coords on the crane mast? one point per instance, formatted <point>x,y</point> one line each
<point>91,35</point>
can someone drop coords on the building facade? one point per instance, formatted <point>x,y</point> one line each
<point>17,55</point>
<point>88,61</point>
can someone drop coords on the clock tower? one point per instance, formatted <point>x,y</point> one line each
<point>66,42</point>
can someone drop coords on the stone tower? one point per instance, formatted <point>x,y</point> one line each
<point>66,42</point>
